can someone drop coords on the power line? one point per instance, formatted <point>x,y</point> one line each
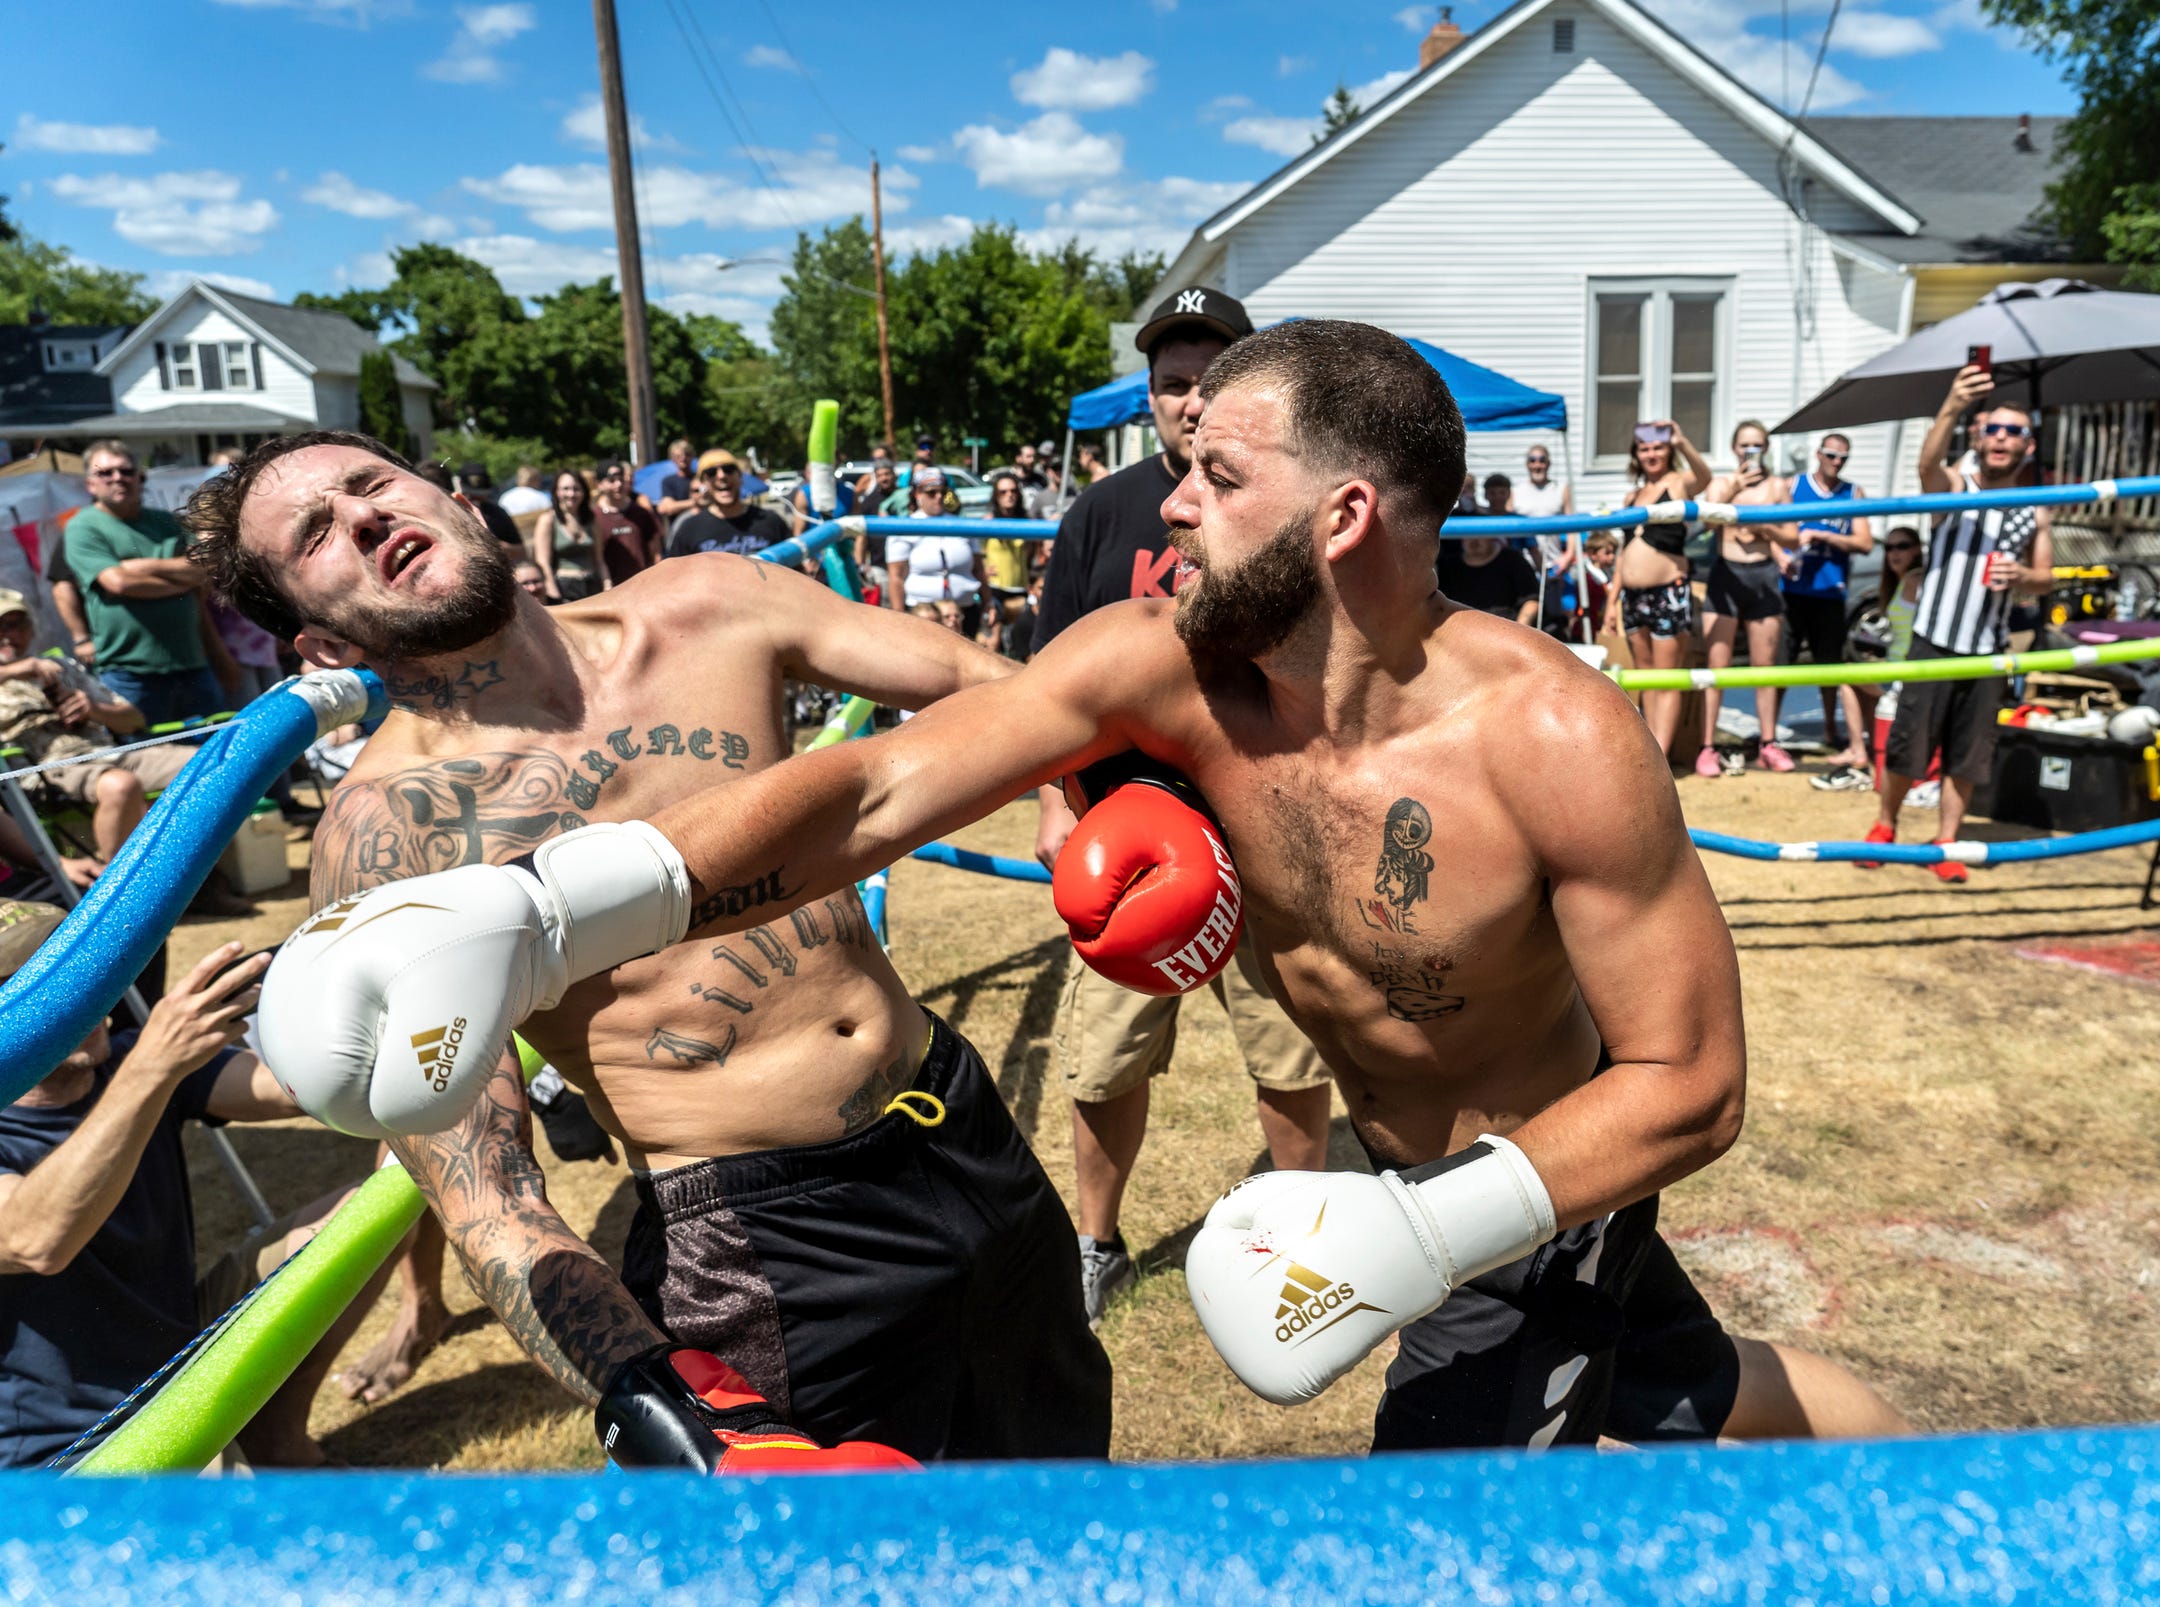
<point>810,80</point>
<point>1821,50</point>
<point>700,51</point>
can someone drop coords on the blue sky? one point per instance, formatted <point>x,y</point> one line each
<point>285,145</point>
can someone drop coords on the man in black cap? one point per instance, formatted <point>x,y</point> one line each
<point>1112,545</point>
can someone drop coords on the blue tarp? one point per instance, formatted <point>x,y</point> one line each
<point>1489,401</point>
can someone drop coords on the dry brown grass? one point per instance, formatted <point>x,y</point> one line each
<point>1946,1179</point>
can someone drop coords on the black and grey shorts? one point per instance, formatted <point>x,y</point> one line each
<point>1744,591</point>
<point>918,1286</point>
<point>1955,718</point>
<point>1660,610</point>
<point>1598,1333</point>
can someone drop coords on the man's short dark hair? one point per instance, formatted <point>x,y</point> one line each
<point>1357,399</point>
<point>110,447</point>
<point>249,581</point>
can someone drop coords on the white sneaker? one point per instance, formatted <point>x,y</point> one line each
<point>1925,795</point>
<point>1105,1271</point>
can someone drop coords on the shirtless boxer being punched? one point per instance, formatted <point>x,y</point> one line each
<point>832,1198</point>
<point>1464,864</point>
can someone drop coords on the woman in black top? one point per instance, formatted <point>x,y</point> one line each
<point>1653,601</point>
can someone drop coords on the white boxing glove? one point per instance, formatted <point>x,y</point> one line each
<point>387,1012</point>
<point>1298,1275</point>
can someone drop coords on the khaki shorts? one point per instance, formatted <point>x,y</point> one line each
<point>258,1255</point>
<point>1110,1039</point>
<point>155,768</point>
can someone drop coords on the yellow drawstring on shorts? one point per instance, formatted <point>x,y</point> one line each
<point>902,1104</point>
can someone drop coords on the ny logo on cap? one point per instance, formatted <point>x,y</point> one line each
<point>1192,301</point>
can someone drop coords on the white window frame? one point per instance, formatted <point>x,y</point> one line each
<point>239,369</point>
<point>184,356</point>
<point>1657,353</point>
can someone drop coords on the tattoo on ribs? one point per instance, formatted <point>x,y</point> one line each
<point>683,1050</point>
<point>1415,990</point>
<point>770,957</point>
<point>1403,877</point>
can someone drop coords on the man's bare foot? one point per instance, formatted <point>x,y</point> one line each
<point>414,1331</point>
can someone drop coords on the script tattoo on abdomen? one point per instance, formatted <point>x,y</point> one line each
<point>747,964</point>
<point>1414,990</point>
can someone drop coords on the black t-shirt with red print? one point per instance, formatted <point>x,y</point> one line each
<point>1112,545</point>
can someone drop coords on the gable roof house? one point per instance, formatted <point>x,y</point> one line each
<point>1575,196</point>
<point>212,368</point>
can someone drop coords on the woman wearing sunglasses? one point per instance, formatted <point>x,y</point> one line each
<point>1654,604</point>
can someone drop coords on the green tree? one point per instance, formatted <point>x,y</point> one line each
<point>2110,52</point>
<point>47,277</point>
<point>2133,235</point>
<point>1340,112</point>
<point>825,334</point>
<point>751,402</point>
<point>382,404</point>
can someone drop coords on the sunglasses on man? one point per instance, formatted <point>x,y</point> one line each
<point>2018,431</point>
<point>1831,457</point>
<point>112,474</point>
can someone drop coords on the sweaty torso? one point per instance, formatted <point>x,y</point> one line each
<point>1746,544</point>
<point>1400,912</point>
<point>794,1032</point>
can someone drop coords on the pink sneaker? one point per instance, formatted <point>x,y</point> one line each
<point>1707,766</point>
<point>1772,757</point>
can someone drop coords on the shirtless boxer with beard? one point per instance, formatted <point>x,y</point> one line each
<point>1464,864</point>
<point>832,1198</point>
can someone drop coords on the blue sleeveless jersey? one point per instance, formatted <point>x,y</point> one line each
<point>1822,569</point>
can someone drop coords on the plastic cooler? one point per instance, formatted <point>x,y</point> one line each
<point>254,861</point>
<point>2066,783</point>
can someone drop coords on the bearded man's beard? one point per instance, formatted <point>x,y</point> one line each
<point>485,602</point>
<point>1233,614</point>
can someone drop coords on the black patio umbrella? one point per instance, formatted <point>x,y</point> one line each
<point>2052,343</point>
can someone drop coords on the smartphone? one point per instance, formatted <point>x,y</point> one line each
<point>1651,434</point>
<point>1982,358</point>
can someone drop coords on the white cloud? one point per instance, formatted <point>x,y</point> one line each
<point>170,281</point>
<point>927,234</point>
<point>1223,105</point>
<point>586,124</point>
<point>1291,66</point>
<point>529,267</point>
<point>1144,215</point>
<point>917,153</point>
<point>1880,36</point>
<point>771,56</point>
<point>470,56</point>
<point>1370,93</point>
<point>1415,19</point>
<point>337,193</point>
<point>1051,154</point>
<point>1720,30</point>
<point>1285,136</point>
<point>811,187</point>
<point>84,139</point>
<point>179,214</point>
<point>1065,80</point>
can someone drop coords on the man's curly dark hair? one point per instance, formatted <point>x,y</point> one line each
<point>247,580</point>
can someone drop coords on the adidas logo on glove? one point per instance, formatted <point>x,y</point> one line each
<point>1308,1297</point>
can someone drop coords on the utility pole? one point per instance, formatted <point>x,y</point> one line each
<point>884,340</point>
<point>630,260</point>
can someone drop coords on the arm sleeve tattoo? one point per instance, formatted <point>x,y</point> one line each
<point>559,1299</point>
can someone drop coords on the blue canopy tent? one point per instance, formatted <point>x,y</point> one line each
<point>1489,401</point>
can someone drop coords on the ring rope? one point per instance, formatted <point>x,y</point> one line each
<point>2047,660</point>
<point>193,732</point>
<point>1962,853</point>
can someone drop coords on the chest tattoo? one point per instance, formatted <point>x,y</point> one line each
<point>1403,878</point>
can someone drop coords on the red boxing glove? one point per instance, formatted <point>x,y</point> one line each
<point>681,1408</point>
<point>1148,889</point>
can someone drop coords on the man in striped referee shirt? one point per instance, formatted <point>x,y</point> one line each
<point>1977,561</point>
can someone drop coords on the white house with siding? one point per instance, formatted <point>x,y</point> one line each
<point>1576,197</point>
<point>212,368</point>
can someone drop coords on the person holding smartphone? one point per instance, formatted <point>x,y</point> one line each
<point>1745,568</point>
<point>1654,603</point>
<point>1977,561</point>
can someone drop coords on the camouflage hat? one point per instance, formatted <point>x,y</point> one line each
<point>23,926</point>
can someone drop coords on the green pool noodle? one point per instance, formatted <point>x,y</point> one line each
<point>848,719</point>
<point>824,431</point>
<point>183,1427</point>
<point>2047,661</point>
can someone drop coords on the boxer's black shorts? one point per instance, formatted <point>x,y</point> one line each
<point>917,1286</point>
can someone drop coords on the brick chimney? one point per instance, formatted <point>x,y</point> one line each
<point>1445,36</point>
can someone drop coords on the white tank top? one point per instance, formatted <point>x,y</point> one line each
<point>1536,501</point>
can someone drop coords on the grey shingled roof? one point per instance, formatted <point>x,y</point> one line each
<point>1977,193</point>
<point>219,417</point>
<point>329,340</point>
